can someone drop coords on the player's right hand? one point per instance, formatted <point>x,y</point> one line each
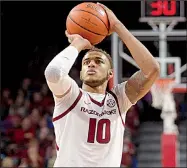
<point>113,20</point>
<point>78,41</point>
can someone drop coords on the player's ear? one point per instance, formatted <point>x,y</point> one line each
<point>110,73</point>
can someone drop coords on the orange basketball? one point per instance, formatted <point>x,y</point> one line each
<point>88,20</point>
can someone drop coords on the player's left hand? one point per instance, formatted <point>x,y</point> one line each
<point>113,20</point>
<point>78,41</point>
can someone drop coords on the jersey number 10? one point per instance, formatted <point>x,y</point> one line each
<point>100,129</point>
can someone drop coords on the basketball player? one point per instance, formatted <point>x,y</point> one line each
<point>88,121</point>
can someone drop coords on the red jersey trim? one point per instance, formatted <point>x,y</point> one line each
<point>57,148</point>
<point>69,109</point>
<point>115,97</point>
<point>64,93</point>
<point>96,102</point>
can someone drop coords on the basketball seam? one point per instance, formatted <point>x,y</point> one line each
<point>94,15</point>
<point>86,28</point>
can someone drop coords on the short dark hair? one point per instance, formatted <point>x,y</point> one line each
<point>102,51</point>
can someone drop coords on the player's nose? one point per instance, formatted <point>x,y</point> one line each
<point>92,64</point>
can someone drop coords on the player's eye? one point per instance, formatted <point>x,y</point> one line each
<point>86,62</point>
<point>98,61</point>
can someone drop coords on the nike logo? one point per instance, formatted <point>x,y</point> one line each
<point>87,103</point>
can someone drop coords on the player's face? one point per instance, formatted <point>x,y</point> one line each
<point>96,69</point>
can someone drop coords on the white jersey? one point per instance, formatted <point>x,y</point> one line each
<point>89,131</point>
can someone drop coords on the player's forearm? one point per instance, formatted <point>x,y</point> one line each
<point>61,64</point>
<point>144,59</point>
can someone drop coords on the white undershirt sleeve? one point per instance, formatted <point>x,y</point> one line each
<point>56,73</point>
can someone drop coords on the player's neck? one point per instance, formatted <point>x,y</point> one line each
<point>99,89</point>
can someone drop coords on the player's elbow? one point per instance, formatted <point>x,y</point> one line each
<point>52,74</point>
<point>156,69</point>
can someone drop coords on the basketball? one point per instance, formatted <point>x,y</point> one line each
<point>88,20</point>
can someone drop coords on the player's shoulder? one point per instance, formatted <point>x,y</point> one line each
<point>122,97</point>
<point>119,88</point>
<point>120,92</point>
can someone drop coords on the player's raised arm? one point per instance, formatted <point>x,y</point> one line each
<point>56,73</point>
<point>140,83</point>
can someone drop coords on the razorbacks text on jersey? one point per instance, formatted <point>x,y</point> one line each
<point>89,127</point>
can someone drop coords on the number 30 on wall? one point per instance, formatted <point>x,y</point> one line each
<point>163,7</point>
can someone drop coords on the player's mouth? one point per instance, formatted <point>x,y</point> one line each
<point>91,72</point>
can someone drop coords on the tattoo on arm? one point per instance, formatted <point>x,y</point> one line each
<point>139,84</point>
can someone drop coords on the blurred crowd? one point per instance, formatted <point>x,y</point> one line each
<point>27,133</point>
<point>27,136</point>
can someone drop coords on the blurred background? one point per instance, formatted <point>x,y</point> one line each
<point>32,33</point>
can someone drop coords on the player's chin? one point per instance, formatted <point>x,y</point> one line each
<point>91,77</point>
<point>91,82</point>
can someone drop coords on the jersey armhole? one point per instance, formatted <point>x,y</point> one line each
<point>64,113</point>
<point>123,99</point>
<point>71,93</point>
<point>61,96</point>
<point>120,114</point>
